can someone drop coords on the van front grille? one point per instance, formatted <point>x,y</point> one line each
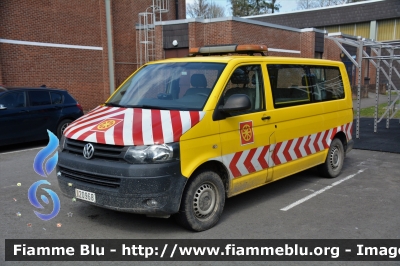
<point>96,179</point>
<point>104,151</point>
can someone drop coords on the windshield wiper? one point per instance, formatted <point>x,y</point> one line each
<point>147,107</point>
<point>114,105</point>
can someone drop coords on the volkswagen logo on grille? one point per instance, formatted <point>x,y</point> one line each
<point>88,151</point>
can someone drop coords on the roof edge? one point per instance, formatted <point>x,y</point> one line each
<point>238,19</point>
<point>314,9</point>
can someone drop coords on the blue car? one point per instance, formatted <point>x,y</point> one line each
<point>27,113</point>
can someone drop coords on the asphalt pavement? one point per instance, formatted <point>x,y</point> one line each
<point>362,203</point>
<point>384,139</point>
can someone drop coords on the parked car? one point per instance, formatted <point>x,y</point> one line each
<point>27,113</point>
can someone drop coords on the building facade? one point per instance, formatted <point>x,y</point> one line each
<point>90,47</point>
<point>374,19</point>
<point>64,44</point>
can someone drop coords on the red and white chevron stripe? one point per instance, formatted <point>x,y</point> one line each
<point>133,126</point>
<point>256,159</point>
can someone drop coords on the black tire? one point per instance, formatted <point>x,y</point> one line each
<point>334,160</point>
<point>62,126</point>
<point>202,201</point>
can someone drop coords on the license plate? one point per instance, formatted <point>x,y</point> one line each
<point>85,195</point>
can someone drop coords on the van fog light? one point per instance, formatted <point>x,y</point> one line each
<point>152,203</point>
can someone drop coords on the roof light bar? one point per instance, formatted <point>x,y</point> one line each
<point>249,49</point>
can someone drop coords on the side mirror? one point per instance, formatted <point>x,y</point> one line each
<point>236,102</point>
<point>2,107</point>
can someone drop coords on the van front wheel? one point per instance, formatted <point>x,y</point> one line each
<point>334,160</point>
<point>202,201</point>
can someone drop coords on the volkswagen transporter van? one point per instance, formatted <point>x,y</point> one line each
<point>179,136</point>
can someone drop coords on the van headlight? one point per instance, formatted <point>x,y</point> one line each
<point>152,153</point>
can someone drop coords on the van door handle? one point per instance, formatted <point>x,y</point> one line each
<point>266,117</point>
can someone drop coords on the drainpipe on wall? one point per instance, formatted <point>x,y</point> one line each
<point>176,10</point>
<point>110,46</point>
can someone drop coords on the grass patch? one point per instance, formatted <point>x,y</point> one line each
<point>370,111</point>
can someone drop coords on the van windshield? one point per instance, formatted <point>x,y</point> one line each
<point>169,86</point>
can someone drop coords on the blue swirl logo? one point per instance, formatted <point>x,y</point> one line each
<point>34,201</point>
<point>43,168</point>
<point>40,165</point>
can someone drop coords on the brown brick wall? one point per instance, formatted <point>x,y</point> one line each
<point>235,32</point>
<point>82,72</point>
<point>125,18</point>
<point>75,22</point>
<point>307,44</point>
<point>1,74</point>
<point>272,37</point>
<point>331,50</point>
<point>159,54</point>
<point>52,21</point>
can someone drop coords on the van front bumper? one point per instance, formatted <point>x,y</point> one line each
<point>152,189</point>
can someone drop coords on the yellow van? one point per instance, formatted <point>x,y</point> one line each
<point>181,135</point>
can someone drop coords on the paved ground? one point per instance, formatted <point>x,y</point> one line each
<point>370,101</point>
<point>385,139</point>
<point>363,205</point>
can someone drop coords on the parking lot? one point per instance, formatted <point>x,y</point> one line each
<point>362,203</point>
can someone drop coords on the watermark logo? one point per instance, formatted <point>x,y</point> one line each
<point>43,165</point>
<point>34,201</point>
<point>40,165</point>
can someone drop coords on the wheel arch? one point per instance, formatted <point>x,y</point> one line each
<point>217,167</point>
<point>342,137</point>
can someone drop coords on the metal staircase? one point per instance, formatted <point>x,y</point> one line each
<point>145,34</point>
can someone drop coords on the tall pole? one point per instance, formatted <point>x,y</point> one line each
<point>359,62</point>
<point>378,70</point>
<point>110,47</point>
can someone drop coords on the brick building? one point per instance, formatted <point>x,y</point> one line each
<point>67,44</point>
<point>373,19</point>
<point>281,40</point>
<point>297,34</point>
<point>63,44</point>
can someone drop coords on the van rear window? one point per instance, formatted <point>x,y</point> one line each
<point>303,84</point>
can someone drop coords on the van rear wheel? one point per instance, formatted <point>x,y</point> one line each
<point>334,160</point>
<point>202,202</point>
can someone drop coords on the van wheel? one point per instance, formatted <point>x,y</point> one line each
<point>202,202</point>
<point>62,126</point>
<point>334,160</point>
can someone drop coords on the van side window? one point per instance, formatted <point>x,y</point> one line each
<point>328,83</point>
<point>299,84</point>
<point>247,80</point>
<point>289,85</point>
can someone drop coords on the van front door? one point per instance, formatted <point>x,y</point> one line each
<point>245,135</point>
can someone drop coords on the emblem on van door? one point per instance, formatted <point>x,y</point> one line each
<point>88,151</point>
<point>246,132</point>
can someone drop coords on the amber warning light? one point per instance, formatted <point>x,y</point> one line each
<point>248,49</point>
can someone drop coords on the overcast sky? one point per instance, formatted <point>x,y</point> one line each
<point>287,5</point>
